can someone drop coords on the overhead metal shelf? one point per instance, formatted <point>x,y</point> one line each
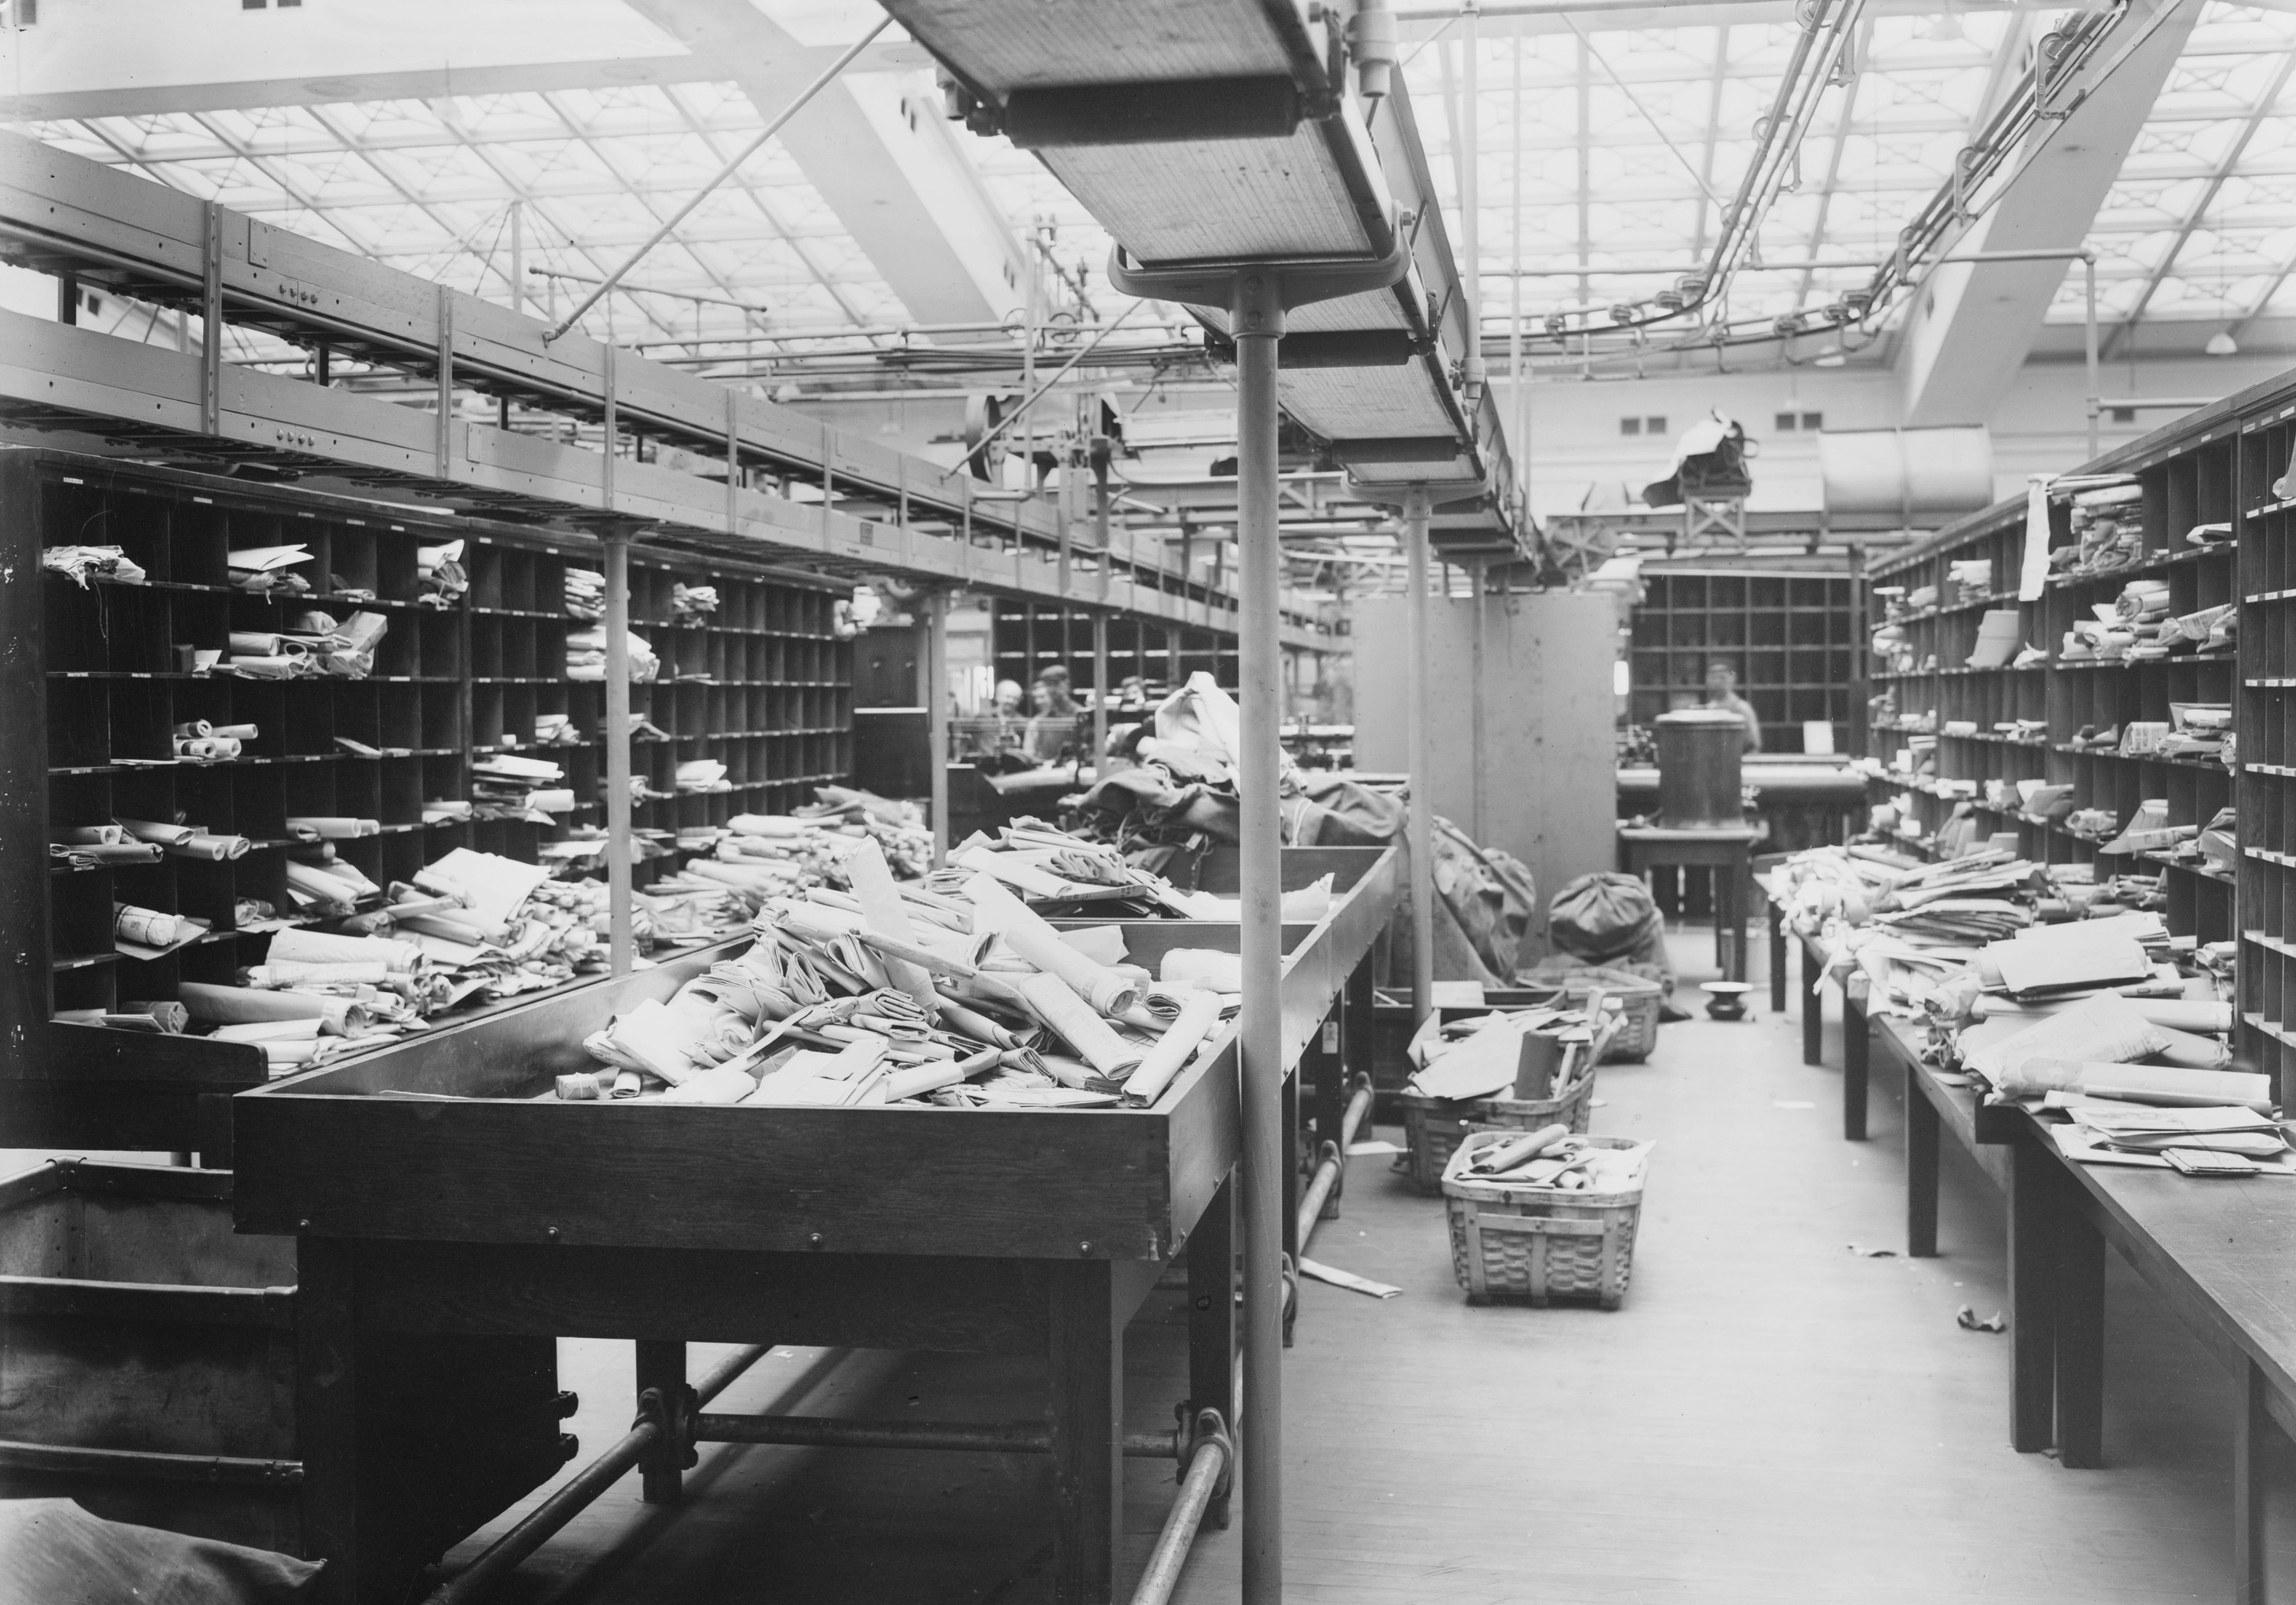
<point>59,213</point>
<point>1215,131</point>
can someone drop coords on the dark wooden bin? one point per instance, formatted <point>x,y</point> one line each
<point>148,1369</point>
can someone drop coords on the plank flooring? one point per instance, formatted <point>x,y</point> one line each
<point>1771,1417</point>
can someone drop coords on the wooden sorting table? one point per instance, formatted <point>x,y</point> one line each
<point>1856,1059</point>
<point>1729,852</point>
<point>437,1188</point>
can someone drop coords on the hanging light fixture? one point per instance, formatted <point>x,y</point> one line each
<point>2222,344</point>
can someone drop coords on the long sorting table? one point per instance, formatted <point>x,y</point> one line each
<point>437,1187</point>
<point>2216,1252</point>
<point>1856,1057</point>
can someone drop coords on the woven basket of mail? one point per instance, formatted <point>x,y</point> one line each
<point>1536,1216</point>
<point>1434,1127</point>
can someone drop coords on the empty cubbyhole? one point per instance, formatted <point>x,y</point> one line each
<point>398,654</point>
<point>261,878</point>
<point>198,542</point>
<point>352,566</point>
<point>518,580</point>
<point>518,714</point>
<point>157,795</point>
<point>75,629</point>
<point>84,986</point>
<point>79,913</point>
<point>483,559</point>
<point>397,717</point>
<point>209,963</point>
<point>364,855</point>
<point>486,649</point>
<point>258,802</point>
<point>490,718</point>
<point>359,790</point>
<point>441,647</point>
<point>358,712</point>
<point>397,571</point>
<point>141,724</point>
<point>442,717</point>
<point>308,791</point>
<point>550,583</point>
<point>520,654</point>
<point>401,857</point>
<point>307,724</point>
<point>207,890</point>
<point>78,800</point>
<point>441,780</point>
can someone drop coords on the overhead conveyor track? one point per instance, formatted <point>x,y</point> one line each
<point>866,509</point>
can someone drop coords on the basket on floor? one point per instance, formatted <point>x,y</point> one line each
<point>1638,1001</point>
<point>1433,1127</point>
<point>1515,1242</point>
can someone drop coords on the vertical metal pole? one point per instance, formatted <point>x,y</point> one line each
<point>1519,441</point>
<point>2095,385</point>
<point>1471,183</point>
<point>1259,324</point>
<point>1099,696</point>
<point>936,695</point>
<point>1421,832</point>
<point>518,256</point>
<point>1475,690</point>
<point>616,737</point>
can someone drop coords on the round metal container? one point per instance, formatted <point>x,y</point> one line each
<point>1698,749</point>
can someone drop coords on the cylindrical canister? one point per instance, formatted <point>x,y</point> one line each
<point>1698,768</point>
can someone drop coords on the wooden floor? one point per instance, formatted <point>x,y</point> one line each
<point>1771,1417</point>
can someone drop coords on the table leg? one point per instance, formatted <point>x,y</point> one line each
<point>1813,1005</point>
<point>1777,960</point>
<point>2032,1297</point>
<point>1856,1059</point>
<point>2250,1423</point>
<point>341,1520</point>
<point>2080,1327</point>
<point>662,1364</point>
<point>1730,889</point>
<point>1921,1170</point>
<point>1086,1345</point>
<point>1330,1060</point>
<point>1211,1317</point>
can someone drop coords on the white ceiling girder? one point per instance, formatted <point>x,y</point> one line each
<point>874,149</point>
<point>120,58</point>
<point>1973,324</point>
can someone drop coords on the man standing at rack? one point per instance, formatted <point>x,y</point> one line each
<point>1722,691</point>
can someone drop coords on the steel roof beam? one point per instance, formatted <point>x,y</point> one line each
<point>1972,324</point>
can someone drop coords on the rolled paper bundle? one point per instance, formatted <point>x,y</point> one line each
<point>1140,1017</point>
<point>725,1084</point>
<point>456,925</point>
<point>126,852</point>
<point>92,836</point>
<point>580,1087</point>
<point>627,1084</point>
<point>215,849</point>
<point>268,1030</point>
<point>244,1005</point>
<point>170,1016</point>
<point>335,827</point>
<point>1027,935</point>
<point>1102,944</point>
<point>935,961</point>
<point>767,824</point>
<point>971,1022</point>
<point>560,800</point>
<point>268,668</point>
<point>166,835</point>
<point>1198,1019</point>
<point>207,748</point>
<point>236,733</point>
<point>293,972</point>
<point>193,730</point>
<point>1060,1007</point>
<point>917,1080</point>
<point>146,927</point>
<point>277,1053</point>
<point>320,947</point>
<point>1204,966</point>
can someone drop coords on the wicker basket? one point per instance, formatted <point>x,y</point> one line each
<point>1639,1003</point>
<point>1534,1243</point>
<point>1433,1127</point>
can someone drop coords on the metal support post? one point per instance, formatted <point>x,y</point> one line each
<point>1415,508</point>
<point>620,948</point>
<point>935,691</point>
<point>2089,337</point>
<point>1258,325</point>
<point>1099,693</point>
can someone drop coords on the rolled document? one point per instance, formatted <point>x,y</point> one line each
<point>320,947</point>
<point>919,1079</point>
<point>243,1005</point>
<point>215,849</point>
<point>193,730</point>
<point>332,827</point>
<point>1221,971</point>
<point>1057,1002</point>
<point>92,836</point>
<point>166,835</point>
<point>146,927</point>
<point>168,1016</point>
<point>1027,935</point>
<point>1198,1018</point>
<point>291,972</point>
<point>268,1030</point>
<point>237,732</point>
<point>216,747</point>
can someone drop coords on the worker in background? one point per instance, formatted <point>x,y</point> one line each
<point>1722,691</point>
<point>1052,732</point>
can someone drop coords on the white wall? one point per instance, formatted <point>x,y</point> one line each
<point>2040,426</point>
